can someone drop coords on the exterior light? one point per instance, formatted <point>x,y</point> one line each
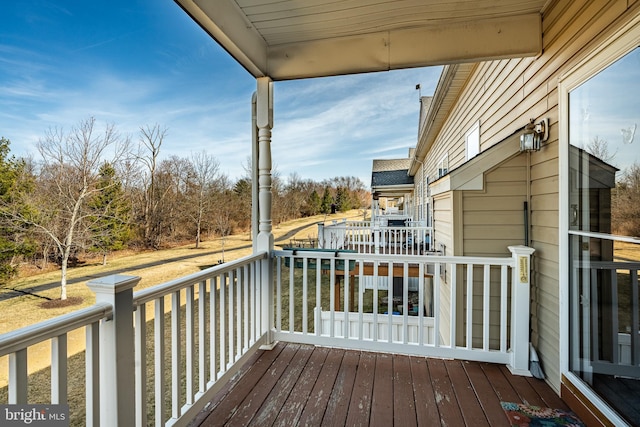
<point>533,134</point>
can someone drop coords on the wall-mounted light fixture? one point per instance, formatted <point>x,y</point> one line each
<point>533,134</point>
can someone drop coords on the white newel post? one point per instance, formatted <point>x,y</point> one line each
<point>320,235</point>
<point>117,369</point>
<point>520,309</point>
<point>265,237</point>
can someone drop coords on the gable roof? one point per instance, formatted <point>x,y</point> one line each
<point>390,177</point>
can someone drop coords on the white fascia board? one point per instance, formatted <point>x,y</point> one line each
<point>498,38</point>
<point>486,39</point>
<point>440,186</point>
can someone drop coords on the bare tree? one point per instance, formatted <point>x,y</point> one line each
<point>151,137</point>
<point>205,169</point>
<point>67,181</point>
<point>600,149</point>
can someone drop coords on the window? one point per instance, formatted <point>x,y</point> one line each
<point>443,166</point>
<point>472,141</point>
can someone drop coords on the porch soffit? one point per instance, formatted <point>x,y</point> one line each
<point>308,38</point>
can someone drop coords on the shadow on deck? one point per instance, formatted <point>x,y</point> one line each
<point>305,385</point>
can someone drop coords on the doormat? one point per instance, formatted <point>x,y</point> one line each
<point>521,415</point>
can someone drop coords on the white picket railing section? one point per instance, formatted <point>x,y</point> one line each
<point>217,319</point>
<point>206,325</point>
<point>363,236</point>
<point>469,312</point>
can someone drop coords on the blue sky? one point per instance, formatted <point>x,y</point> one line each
<point>140,62</point>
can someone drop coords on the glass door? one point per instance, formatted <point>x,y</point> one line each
<point>604,234</point>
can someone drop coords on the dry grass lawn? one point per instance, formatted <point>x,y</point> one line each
<point>152,267</point>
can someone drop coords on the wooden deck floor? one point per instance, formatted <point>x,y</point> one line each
<point>311,386</point>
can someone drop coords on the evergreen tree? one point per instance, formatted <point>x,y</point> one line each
<point>109,223</point>
<point>314,203</point>
<point>343,202</point>
<point>327,201</point>
<point>13,242</point>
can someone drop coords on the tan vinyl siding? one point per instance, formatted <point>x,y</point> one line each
<point>503,95</point>
<point>493,219</point>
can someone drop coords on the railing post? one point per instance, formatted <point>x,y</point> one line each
<point>117,370</point>
<point>520,309</point>
<point>320,235</point>
<point>376,238</point>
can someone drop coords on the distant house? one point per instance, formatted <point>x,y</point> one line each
<point>391,189</point>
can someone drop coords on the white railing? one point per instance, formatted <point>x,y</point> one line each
<point>181,341</point>
<point>157,356</point>
<point>364,237</point>
<point>465,307</point>
<point>615,346</point>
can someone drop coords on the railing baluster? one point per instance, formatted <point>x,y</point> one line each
<point>332,297</point>
<point>469,306</point>
<point>279,291</point>
<point>190,343</point>
<point>436,302</point>
<point>346,299</point>
<point>238,315</point>
<point>213,328</point>
<point>291,299</point>
<point>503,308</point>
<point>18,377</point>
<point>405,302</point>
<point>360,298</point>
<point>140,351</point>
<point>176,368</point>
<point>59,369</point>
<point>486,307</point>
<point>305,308</point>
<point>159,365</point>
<point>376,309</point>
<point>255,302</point>
<point>421,282</point>
<point>318,323</point>
<point>231,313</point>
<point>223,325</point>
<point>635,321</point>
<point>246,308</point>
<point>202,338</point>
<point>390,302</point>
<point>615,353</point>
<point>92,374</point>
<point>453,316</point>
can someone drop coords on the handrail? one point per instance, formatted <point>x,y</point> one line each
<point>442,259</point>
<point>145,295</point>
<point>19,339</point>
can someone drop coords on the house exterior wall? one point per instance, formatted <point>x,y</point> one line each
<point>503,95</point>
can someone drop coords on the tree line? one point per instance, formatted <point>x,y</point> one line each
<point>93,190</point>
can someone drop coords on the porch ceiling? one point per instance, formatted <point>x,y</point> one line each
<point>291,39</point>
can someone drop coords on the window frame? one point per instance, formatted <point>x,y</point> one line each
<point>603,54</point>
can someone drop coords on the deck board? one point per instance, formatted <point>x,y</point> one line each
<point>381,402</point>
<point>472,412</point>
<point>298,384</point>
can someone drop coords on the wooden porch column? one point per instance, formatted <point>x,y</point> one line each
<point>264,124</point>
